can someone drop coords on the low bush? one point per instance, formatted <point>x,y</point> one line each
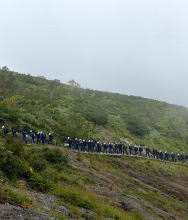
<point>55,156</point>
<point>15,145</point>
<point>40,183</point>
<point>11,166</point>
<point>37,163</point>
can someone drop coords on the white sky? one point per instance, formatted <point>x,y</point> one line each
<point>134,47</point>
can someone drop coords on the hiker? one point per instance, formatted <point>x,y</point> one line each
<point>161,155</point>
<point>182,156</point>
<point>70,142</point>
<point>80,144</point>
<point>110,148</point>
<point>147,152</point>
<point>88,146</point>
<point>32,135</point>
<point>125,149</point>
<point>120,148</point>
<point>173,157</point>
<point>157,154</point>
<point>154,153</point>
<point>43,137</point>
<point>76,143</point>
<point>14,133</point>
<point>116,148</point>
<point>105,148</point>
<point>98,147</point>
<point>166,155</point>
<point>24,136</point>
<point>5,130</point>
<point>84,145</point>
<point>92,146</point>
<point>140,149</point>
<point>135,150</point>
<point>38,137</point>
<point>130,149</point>
<point>50,138</point>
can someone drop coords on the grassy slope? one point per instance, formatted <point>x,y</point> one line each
<point>117,187</point>
<point>36,103</point>
<point>151,188</point>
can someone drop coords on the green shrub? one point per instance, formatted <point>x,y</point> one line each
<point>15,145</point>
<point>3,158</point>
<point>11,166</point>
<point>40,183</point>
<point>55,156</point>
<point>37,163</point>
<point>51,175</point>
<point>137,127</point>
<point>97,116</point>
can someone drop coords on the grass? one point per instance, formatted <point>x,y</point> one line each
<point>8,194</point>
<point>100,183</point>
<point>88,200</point>
<point>76,196</point>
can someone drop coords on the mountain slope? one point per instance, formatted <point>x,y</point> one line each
<point>87,186</point>
<point>35,103</point>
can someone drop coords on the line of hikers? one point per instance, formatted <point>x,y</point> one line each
<point>30,137</point>
<point>96,146</point>
<point>122,148</point>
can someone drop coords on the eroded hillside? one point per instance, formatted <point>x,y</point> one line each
<point>89,186</point>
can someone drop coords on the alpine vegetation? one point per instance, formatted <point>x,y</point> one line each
<point>73,153</point>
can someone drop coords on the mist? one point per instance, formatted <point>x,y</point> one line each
<point>126,46</point>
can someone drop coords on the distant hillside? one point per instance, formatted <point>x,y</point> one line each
<point>28,102</point>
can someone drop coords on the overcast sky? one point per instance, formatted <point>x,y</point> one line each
<point>134,47</point>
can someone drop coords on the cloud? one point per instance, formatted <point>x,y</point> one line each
<point>127,46</point>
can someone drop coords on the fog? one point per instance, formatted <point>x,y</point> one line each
<point>127,46</point>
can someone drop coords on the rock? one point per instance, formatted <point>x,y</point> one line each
<point>126,204</point>
<point>10,212</point>
<point>62,210</point>
<point>46,201</point>
<point>88,211</point>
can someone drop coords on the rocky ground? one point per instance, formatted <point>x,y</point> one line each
<point>10,212</point>
<point>155,190</point>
